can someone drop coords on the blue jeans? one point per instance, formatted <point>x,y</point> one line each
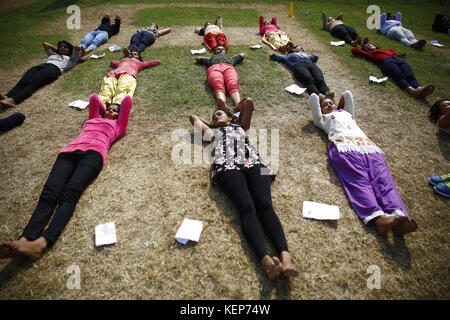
<point>400,71</point>
<point>94,39</point>
<point>141,40</point>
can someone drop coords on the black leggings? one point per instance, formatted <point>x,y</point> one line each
<point>34,79</point>
<point>250,192</point>
<point>344,32</point>
<point>70,176</point>
<point>310,76</point>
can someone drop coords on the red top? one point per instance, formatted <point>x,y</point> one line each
<point>265,29</point>
<point>376,55</point>
<point>130,66</point>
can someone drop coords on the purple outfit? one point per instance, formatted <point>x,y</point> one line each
<point>359,163</point>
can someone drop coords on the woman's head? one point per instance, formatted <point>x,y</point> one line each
<point>368,47</point>
<point>296,48</point>
<point>112,111</point>
<point>390,16</point>
<point>153,26</point>
<point>438,109</point>
<point>65,48</point>
<point>135,55</point>
<point>222,117</point>
<point>220,49</point>
<point>327,105</point>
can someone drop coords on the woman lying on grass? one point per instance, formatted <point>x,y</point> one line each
<point>361,167</point>
<point>144,38</point>
<point>394,67</point>
<point>305,69</point>
<point>221,73</point>
<point>60,59</point>
<point>439,114</point>
<point>338,29</point>
<point>121,81</point>
<point>242,175</point>
<point>76,166</point>
<point>272,36</point>
<point>213,34</point>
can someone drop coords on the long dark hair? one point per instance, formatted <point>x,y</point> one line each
<point>234,119</point>
<point>434,112</point>
<point>67,44</point>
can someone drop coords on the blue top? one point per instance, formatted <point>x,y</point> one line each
<point>386,25</point>
<point>293,58</point>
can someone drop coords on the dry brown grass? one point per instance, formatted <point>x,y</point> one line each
<point>148,197</point>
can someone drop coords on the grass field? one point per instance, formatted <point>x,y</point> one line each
<point>148,196</point>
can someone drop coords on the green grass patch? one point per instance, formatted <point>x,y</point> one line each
<point>186,16</point>
<point>178,83</point>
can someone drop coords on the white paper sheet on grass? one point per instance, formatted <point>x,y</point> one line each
<point>374,79</point>
<point>337,43</point>
<point>114,48</point>
<point>105,234</point>
<point>295,89</point>
<point>80,104</point>
<point>94,56</point>
<point>256,46</point>
<point>320,211</point>
<point>200,51</point>
<point>436,44</point>
<point>189,230</point>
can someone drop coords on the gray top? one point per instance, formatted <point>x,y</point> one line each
<point>63,62</point>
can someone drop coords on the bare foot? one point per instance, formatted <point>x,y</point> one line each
<point>385,223</point>
<point>406,226</point>
<point>8,102</point>
<point>33,250</point>
<point>288,269</point>
<point>126,52</point>
<point>272,266</point>
<point>221,104</point>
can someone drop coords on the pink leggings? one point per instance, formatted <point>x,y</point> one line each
<point>223,74</point>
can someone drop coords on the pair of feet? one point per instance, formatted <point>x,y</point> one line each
<point>23,248</point>
<point>127,52</point>
<point>399,225</point>
<point>7,102</point>
<point>245,102</point>
<point>357,41</point>
<point>421,92</point>
<point>419,44</point>
<point>274,267</point>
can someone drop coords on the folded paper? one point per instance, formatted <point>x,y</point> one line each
<point>320,211</point>
<point>189,230</point>
<point>202,50</point>
<point>337,43</point>
<point>80,104</point>
<point>374,79</point>
<point>295,89</point>
<point>105,234</point>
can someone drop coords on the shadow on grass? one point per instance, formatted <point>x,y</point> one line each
<point>58,4</point>
<point>444,144</point>
<point>281,285</point>
<point>13,268</point>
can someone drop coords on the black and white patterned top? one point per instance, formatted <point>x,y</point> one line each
<point>233,151</point>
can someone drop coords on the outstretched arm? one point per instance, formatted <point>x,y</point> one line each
<point>165,31</point>
<point>148,64</point>
<point>324,20</point>
<point>277,57</point>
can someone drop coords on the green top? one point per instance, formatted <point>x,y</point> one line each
<point>218,58</point>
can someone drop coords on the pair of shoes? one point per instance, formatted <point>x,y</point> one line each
<point>443,189</point>
<point>441,184</point>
